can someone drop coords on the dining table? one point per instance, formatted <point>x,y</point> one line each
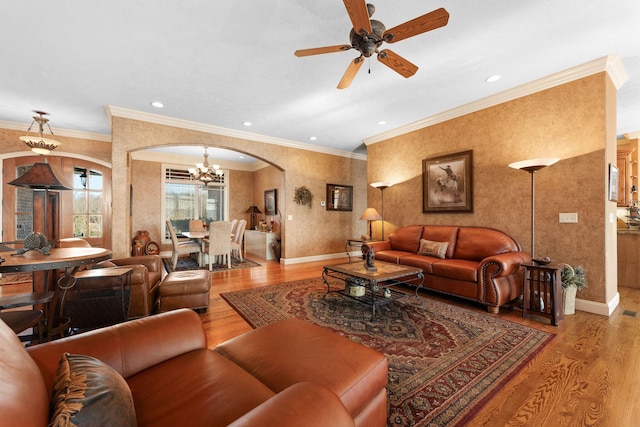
<point>199,236</point>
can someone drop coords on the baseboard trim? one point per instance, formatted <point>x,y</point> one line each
<point>603,309</point>
<point>323,257</point>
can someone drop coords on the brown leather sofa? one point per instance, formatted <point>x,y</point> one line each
<point>475,263</point>
<point>289,373</point>
<point>148,272</point>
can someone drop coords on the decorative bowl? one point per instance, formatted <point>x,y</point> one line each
<point>542,261</point>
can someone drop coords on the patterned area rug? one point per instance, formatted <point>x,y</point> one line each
<point>187,263</point>
<point>445,362</point>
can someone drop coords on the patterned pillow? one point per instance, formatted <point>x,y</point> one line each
<point>87,391</point>
<point>434,249</point>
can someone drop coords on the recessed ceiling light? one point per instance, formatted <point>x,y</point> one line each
<point>157,104</point>
<point>246,124</point>
<point>313,138</point>
<point>382,122</point>
<point>493,78</point>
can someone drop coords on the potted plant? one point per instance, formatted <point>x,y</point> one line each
<point>573,279</point>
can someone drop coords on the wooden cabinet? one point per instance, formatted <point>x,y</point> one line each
<point>625,181</point>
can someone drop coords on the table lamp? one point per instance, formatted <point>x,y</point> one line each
<point>370,214</point>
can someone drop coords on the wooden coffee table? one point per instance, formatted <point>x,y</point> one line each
<point>377,285</point>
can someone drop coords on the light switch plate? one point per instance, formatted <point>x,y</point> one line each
<point>569,217</point>
<point>289,217</point>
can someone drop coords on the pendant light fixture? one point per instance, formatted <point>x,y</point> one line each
<point>205,173</point>
<point>38,143</point>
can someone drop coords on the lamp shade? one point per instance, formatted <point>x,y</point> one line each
<point>253,209</point>
<point>381,185</point>
<point>370,214</point>
<point>39,177</point>
<point>533,165</point>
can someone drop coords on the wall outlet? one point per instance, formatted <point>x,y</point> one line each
<point>289,217</point>
<point>322,203</point>
<point>569,217</point>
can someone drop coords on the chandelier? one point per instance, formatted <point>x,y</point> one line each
<point>38,143</point>
<point>205,173</point>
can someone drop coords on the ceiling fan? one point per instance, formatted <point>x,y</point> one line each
<point>367,35</point>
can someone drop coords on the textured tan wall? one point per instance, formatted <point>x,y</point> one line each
<point>569,122</point>
<point>147,193</point>
<point>300,167</point>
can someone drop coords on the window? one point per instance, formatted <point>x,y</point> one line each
<point>186,199</point>
<point>24,207</point>
<point>87,202</point>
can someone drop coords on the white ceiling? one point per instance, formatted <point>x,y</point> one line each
<point>223,63</point>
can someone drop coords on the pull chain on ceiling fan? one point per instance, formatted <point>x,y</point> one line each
<point>370,35</point>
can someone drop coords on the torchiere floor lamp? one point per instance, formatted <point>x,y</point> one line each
<point>532,166</point>
<point>382,186</point>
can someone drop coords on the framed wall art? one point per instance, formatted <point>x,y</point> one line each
<point>339,197</point>
<point>270,202</point>
<point>447,183</point>
<point>614,177</point>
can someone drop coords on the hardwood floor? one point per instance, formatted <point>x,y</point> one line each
<point>588,376</point>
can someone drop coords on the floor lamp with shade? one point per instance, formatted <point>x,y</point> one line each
<point>382,186</point>
<point>532,166</point>
<point>370,214</point>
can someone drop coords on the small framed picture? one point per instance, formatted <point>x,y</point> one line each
<point>447,183</point>
<point>614,177</point>
<point>270,202</point>
<point>339,197</point>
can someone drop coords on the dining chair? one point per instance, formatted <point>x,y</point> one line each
<point>181,248</point>
<point>196,225</point>
<point>219,242</point>
<point>234,226</point>
<point>236,242</point>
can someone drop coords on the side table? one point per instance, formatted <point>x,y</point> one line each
<point>355,243</point>
<point>542,292</point>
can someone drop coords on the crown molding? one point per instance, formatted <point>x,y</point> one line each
<point>113,111</point>
<point>612,65</point>
<point>59,132</point>
<point>188,161</point>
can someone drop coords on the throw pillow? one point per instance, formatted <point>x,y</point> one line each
<point>87,391</point>
<point>434,249</point>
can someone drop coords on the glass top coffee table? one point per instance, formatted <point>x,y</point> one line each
<point>372,288</point>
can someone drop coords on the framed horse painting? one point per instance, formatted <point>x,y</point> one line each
<point>447,183</point>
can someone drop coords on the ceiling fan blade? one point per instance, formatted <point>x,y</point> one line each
<point>351,72</point>
<point>357,10</point>
<point>397,63</point>
<point>321,50</point>
<point>432,20</point>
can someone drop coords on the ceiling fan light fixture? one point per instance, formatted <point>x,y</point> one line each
<point>38,143</point>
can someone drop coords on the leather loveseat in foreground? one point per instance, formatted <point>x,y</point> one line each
<point>289,373</point>
<point>475,263</point>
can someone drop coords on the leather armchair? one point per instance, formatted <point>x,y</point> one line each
<point>146,276</point>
